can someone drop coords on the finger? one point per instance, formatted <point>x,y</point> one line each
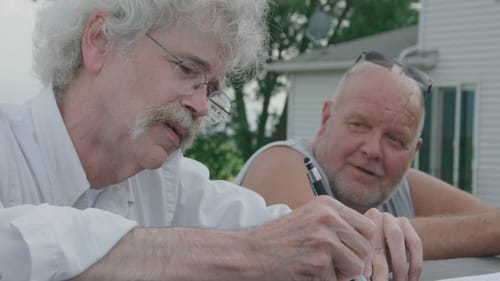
<point>375,216</point>
<point>368,266</point>
<point>395,240</point>
<point>331,275</point>
<point>361,223</point>
<point>414,248</point>
<point>343,222</point>
<point>346,247</point>
<point>380,269</point>
<point>355,243</point>
<point>347,263</point>
<point>377,240</point>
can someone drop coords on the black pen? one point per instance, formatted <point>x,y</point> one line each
<point>318,188</point>
<point>314,178</point>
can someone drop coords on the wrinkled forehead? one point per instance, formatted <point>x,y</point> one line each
<point>381,90</point>
<point>212,25</point>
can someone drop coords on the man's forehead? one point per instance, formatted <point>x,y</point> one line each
<point>368,70</point>
<point>382,107</point>
<point>389,120</point>
<point>379,82</point>
<point>203,46</point>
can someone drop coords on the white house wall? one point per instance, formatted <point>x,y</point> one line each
<point>467,36</point>
<point>308,91</point>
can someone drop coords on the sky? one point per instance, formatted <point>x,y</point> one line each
<point>17,82</point>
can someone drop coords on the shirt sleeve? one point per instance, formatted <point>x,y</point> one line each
<point>219,204</point>
<point>55,243</point>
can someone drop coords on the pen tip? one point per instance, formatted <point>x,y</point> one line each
<point>307,160</point>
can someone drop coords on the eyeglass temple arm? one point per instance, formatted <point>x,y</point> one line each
<point>220,107</point>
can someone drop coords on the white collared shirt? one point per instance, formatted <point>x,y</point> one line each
<point>53,226</point>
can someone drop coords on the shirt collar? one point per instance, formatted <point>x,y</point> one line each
<point>66,174</point>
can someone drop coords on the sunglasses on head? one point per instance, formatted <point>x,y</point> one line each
<point>416,74</point>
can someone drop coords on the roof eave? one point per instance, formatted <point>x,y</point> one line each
<point>423,61</point>
<point>310,66</point>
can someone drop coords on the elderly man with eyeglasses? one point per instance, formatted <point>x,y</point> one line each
<point>93,183</point>
<point>368,136</point>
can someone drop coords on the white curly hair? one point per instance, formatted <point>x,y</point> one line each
<point>239,25</point>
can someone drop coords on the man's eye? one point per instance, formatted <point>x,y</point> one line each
<point>185,69</point>
<point>210,89</point>
<point>396,141</point>
<point>357,125</point>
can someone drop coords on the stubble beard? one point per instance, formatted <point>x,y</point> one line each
<point>370,197</point>
<point>356,196</point>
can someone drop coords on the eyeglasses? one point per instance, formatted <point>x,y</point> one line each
<point>416,74</point>
<point>194,77</point>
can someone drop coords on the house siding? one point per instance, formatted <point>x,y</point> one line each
<point>467,36</point>
<point>310,90</point>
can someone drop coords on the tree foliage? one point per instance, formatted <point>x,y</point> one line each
<point>218,152</point>
<point>368,17</point>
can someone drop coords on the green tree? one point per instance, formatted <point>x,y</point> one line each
<point>218,152</point>
<point>368,17</point>
<point>287,23</point>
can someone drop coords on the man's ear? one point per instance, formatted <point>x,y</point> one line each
<point>95,44</point>
<point>325,115</point>
<point>418,145</point>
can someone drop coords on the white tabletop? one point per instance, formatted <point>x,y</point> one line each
<point>441,269</point>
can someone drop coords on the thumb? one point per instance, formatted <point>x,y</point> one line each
<point>374,215</point>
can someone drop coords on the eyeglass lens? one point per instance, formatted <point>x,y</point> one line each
<point>219,107</point>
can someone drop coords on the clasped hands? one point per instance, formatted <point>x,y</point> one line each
<point>325,240</point>
<point>396,248</point>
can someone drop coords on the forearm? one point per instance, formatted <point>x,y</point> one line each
<point>320,239</point>
<point>179,254</point>
<point>459,236</point>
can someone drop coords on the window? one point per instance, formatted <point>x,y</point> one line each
<point>447,151</point>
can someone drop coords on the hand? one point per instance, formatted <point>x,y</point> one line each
<point>323,240</point>
<point>396,246</point>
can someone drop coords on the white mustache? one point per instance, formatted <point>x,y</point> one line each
<point>172,114</point>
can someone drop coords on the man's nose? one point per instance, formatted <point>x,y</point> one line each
<point>372,146</point>
<point>196,102</point>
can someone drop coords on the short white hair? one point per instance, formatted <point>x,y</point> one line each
<point>239,25</point>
